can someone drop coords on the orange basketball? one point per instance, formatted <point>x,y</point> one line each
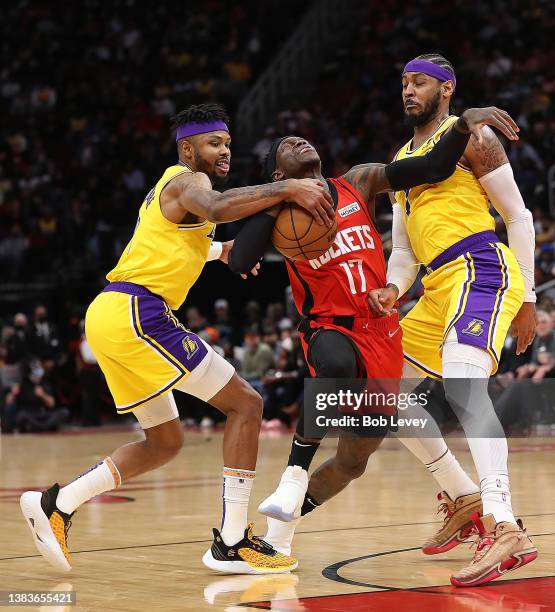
<point>296,234</point>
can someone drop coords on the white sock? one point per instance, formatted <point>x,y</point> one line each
<point>451,477</point>
<point>100,478</point>
<point>236,493</point>
<point>280,534</point>
<point>472,404</point>
<point>496,497</point>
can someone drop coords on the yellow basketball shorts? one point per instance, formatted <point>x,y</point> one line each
<point>141,347</point>
<point>475,288</point>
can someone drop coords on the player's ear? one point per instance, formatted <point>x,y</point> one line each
<point>277,175</point>
<point>187,149</point>
<point>447,89</point>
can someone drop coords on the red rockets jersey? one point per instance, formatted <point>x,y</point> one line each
<point>337,282</point>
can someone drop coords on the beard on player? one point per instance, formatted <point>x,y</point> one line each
<point>216,168</point>
<point>429,110</point>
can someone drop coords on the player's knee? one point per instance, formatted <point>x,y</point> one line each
<point>168,445</point>
<point>250,404</point>
<point>352,467</point>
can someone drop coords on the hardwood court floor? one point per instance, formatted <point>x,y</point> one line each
<point>140,548</point>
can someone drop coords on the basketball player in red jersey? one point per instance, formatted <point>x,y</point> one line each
<point>340,336</point>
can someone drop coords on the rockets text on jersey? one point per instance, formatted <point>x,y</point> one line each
<point>337,282</point>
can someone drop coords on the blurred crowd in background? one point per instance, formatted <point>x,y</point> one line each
<point>50,378</point>
<point>87,95</point>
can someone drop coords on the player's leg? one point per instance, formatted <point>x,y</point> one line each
<point>337,472</point>
<point>503,543</point>
<point>235,549</point>
<point>331,354</point>
<point>459,496</point>
<point>48,513</point>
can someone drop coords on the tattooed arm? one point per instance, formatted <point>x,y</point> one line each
<point>193,193</point>
<point>486,156</point>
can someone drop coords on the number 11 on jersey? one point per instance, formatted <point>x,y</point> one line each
<point>354,265</point>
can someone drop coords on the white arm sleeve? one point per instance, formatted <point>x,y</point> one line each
<point>503,193</point>
<point>402,266</point>
<point>214,251</point>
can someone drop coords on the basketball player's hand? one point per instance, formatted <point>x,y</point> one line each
<point>523,326</point>
<point>476,118</point>
<point>382,301</point>
<point>313,196</point>
<point>226,248</point>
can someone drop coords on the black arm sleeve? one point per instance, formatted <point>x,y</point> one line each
<point>435,166</point>
<point>251,243</point>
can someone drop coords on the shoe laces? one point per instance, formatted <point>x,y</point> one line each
<point>447,508</point>
<point>258,543</point>
<point>483,544</point>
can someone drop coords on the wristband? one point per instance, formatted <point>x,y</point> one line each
<point>215,251</point>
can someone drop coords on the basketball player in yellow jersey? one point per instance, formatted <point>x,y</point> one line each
<point>145,352</point>
<point>475,287</point>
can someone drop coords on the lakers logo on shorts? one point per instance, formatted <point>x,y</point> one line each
<point>474,328</point>
<point>190,347</point>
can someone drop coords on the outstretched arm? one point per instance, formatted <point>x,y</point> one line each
<point>490,165</point>
<point>435,166</point>
<point>193,193</point>
<point>252,241</point>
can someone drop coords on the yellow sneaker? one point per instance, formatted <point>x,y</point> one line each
<point>249,556</point>
<point>457,524</point>
<point>48,525</point>
<point>501,547</point>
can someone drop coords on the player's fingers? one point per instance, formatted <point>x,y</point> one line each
<point>503,126</point>
<point>319,214</point>
<point>509,119</point>
<point>244,276</point>
<point>374,304</point>
<point>327,204</point>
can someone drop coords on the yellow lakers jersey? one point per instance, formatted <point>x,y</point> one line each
<point>437,216</point>
<point>164,257</point>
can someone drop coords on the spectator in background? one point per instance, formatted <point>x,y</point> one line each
<point>543,350</point>
<point>252,321</point>
<point>43,335</point>
<point>222,320</point>
<point>18,344</point>
<point>31,406</point>
<point>258,358</point>
<point>194,320</point>
<point>90,379</point>
<point>524,402</point>
<point>284,386</point>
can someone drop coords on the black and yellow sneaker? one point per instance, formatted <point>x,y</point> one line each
<point>249,556</point>
<point>48,525</point>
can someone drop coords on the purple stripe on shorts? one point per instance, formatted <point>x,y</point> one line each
<point>480,311</point>
<point>462,246</point>
<point>129,289</point>
<point>160,327</point>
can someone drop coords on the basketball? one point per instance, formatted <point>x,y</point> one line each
<point>296,234</point>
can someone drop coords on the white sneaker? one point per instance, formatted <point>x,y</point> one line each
<point>48,524</point>
<point>286,501</point>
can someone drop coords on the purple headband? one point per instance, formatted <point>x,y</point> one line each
<point>191,129</point>
<point>431,69</point>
